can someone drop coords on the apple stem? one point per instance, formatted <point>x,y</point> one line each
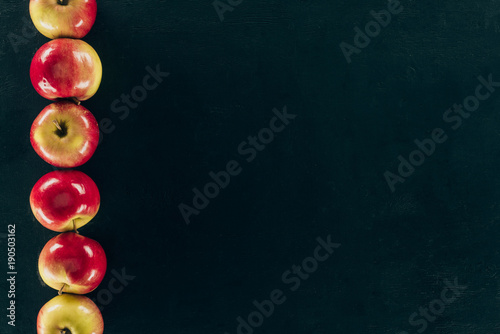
<point>65,331</point>
<point>58,126</point>
<point>63,2</point>
<point>61,290</point>
<point>74,227</point>
<point>77,102</point>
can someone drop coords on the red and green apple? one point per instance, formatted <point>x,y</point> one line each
<point>72,263</point>
<point>66,68</point>
<point>64,200</point>
<point>65,134</point>
<point>70,314</point>
<point>63,18</point>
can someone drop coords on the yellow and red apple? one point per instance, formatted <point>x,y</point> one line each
<point>65,134</point>
<point>66,68</point>
<point>72,263</point>
<point>63,18</point>
<point>64,200</point>
<point>70,314</point>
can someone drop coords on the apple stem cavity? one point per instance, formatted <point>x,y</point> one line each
<point>65,331</point>
<point>61,290</point>
<point>63,2</point>
<point>62,129</point>
<point>74,99</point>
<point>58,126</point>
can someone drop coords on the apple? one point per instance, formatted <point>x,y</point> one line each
<point>72,263</point>
<point>70,314</point>
<point>66,68</point>
<point>63,18</point>
<point>65,134</point>
<point>64,200</point>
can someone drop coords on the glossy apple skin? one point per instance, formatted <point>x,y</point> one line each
<point>72,260</point>
<point>68,149</point>
<point>75,313</point>
<point>66,68</point>
<point>54,20</point>
<point>60,198</point>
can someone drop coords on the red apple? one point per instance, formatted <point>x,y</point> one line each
<point>64,200</point>
<point>70,314</point>
<point>72,263</point>
<point>65,134</point>
<point>63,18</point>
<point>66,68</point>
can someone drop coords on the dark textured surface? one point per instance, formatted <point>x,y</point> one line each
<point>323,175</point>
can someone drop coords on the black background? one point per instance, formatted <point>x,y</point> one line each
<point>323,175</point>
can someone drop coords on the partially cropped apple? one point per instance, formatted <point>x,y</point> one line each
<point>63,18</point>
<point>65,134</point>
<point>72,263</point>
<point>70,314</point>
<point>64,200</point>
<point>66,68</point>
